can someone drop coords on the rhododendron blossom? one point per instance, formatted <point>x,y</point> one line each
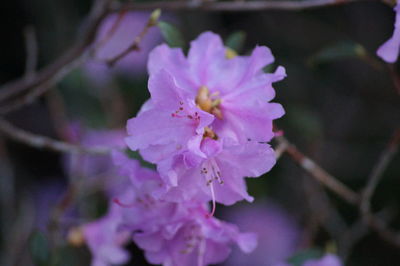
<point>169,233</point>
<point>208,118</point>
<point>389,51</point>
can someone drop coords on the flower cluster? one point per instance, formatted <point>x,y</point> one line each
<point>206,127</point>
<point>208,121</point>
<point>170,233</point>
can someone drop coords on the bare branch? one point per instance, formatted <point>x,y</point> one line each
<point>232,6</point>
<point>320,174</point>
<point>152,21</point>
<point>42,87</point>
<point>377,172</point>
<point>42,142</point>
<point>329,181</point>
<point>60,66</point>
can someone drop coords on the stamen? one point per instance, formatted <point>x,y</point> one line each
<point>203,99</point>
<point>209,215</point>
<point>208,132</point>
<point>230,53</point>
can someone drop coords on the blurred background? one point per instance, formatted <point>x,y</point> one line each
<point>341,110</point>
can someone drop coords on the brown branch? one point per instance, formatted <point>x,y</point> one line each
<point>44,79</point>
<point>41,88</point>
<point>58,114</point>
<point>232,6</point>
<point>377,172</point>
<point>319,173</point>
<point>329,181</point>
<point>42,142</point>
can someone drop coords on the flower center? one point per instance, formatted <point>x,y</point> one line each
<point>209,102</point>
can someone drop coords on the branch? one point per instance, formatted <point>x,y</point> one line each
<point>45,78</point>
<point>233,6</point>
<point>152,21</point>
<point>320,174</point>
<point>377,172</point>
<point>329,181</point>
<point>42,142</point>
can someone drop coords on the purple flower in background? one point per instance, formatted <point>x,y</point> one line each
<point>45,196</point>
<point>389,51</point>
<point>278,235</point>
<point>207,115</point>
<point>327,260</point>
<point>105,240</point>
<point>132,65</point>
<point>99,169</point>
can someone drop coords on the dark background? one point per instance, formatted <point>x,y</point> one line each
<point>341,112</point>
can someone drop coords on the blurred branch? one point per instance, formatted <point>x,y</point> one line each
<point>42,142</point>
<point>377,172</point>
<point>376,175</point>
<point>232,6</point>
<point>51,74</point>
<point>329,181</point>
<point>319,174</point>
<point>58,114</point>
<point>21,92</point>
<point>152,21</point>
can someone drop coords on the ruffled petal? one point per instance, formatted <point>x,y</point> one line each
<point>206,50</point>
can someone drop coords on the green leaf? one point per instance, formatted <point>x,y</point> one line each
<point>236,40</point>
<point>171,34</point>
<point>299,258</point>
<point>338,51</point>
<point>39,248</point>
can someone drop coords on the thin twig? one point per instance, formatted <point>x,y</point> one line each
<point>60,66</point>
<point>232,6</point>
<point>152,21</point>
<point>53,77</point>
<point>320,174</point>
<point>58,114</point>
<point>42,87</point>
<point>329,181</point>
<point>377,172</point>
<point>42,142</point>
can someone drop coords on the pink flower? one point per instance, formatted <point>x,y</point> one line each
<point>207,117</point>
<point>389,51</point>
<point>96,170</point>
<point>169,233</point>
<point>221,175</point>
<point>194,239</point>
<point>327,260</point>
